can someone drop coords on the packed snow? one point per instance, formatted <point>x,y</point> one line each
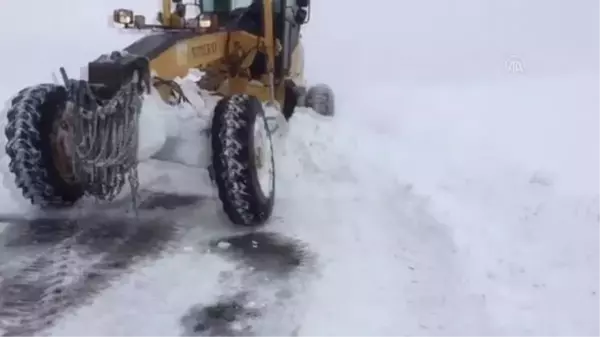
<point>455,192</point>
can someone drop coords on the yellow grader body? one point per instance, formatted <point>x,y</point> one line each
<point>82,137</point>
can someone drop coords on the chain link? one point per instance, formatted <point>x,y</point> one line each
<point>105,137</point>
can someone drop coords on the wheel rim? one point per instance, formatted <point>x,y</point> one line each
<point>263,156</point>
<point>61,140</point>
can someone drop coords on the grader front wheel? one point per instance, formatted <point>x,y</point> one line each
<point>242,160</point>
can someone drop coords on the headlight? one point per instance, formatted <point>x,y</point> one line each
<point>204,21</point>
<point>123,16</point>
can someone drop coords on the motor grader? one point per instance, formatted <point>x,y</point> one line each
<point>81,137</point>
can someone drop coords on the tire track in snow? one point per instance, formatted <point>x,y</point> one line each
<point>83,257</point>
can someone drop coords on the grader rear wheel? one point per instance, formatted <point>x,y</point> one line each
<point>37,146</point>
<point>320,98</point>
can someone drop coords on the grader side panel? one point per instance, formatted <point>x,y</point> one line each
<point>173,53</point>
<point>233,54</point>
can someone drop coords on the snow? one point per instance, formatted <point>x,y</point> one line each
<point>454,192</point>
<point>153,131</point>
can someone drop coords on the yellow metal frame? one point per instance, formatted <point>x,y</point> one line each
<point>229,53</point>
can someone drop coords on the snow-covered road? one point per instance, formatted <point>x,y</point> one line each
<point>456,192</point>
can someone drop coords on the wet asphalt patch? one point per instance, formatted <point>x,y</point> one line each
<point>264,251</point>
<point>269,262</point>
<point>75,260</point>
<point>169,201</point>
<point>230,316</point>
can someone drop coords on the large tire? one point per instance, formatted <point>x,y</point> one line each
<point>245,189</point>
<point>31,116</point>
<point>321,99</point>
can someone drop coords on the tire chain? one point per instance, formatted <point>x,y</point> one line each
<point>105,137</point>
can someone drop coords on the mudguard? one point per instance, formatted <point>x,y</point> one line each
<point>108,73</point>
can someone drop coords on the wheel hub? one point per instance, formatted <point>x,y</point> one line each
<point>60,142</point>
<point>263,156</point>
